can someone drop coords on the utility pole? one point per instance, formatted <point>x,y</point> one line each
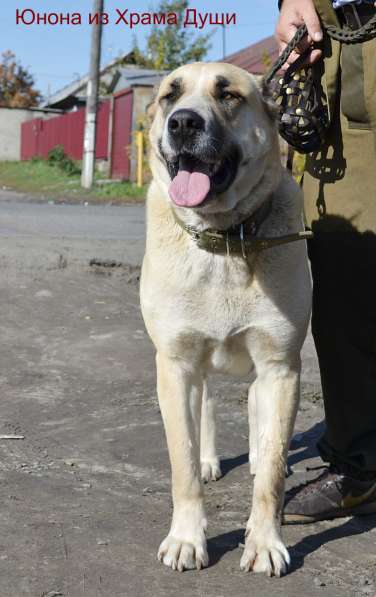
<point>88,162</point>
<point>223,41</point>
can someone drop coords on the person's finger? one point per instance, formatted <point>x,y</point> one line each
<point>286,36</point>
<point>293,56</point>
<point>304,45</point>
<point>300,48</point>
<point>291,59</point>
<point>281,46</point>
<point>312,21</point>
<point>313,56</point>
<point>284,33</point>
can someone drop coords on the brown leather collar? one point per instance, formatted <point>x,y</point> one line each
<point>242,239</point>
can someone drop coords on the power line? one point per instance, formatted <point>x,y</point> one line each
<point>51,76</point>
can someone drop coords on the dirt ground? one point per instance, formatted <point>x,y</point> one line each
<point>85,496</point>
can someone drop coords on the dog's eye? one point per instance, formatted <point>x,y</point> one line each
<point>168,97</point>
<point>229,96</point>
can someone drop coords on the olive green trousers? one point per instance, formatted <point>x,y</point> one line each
<point>340,207</point>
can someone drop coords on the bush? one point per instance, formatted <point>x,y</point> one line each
<point>58,158</point>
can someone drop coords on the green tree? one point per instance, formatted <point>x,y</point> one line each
<point>266,60</point>
<point>170,46</point>
<point>16,84</point>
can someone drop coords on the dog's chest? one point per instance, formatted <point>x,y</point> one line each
<point>215,326</point>
<point>218,292</point>
<point>208,310</point>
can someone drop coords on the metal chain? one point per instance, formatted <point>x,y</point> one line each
<point>301,32</point>
<point>346,36</point>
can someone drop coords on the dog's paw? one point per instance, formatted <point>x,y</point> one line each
<point>210,470</point>
<point>181,555</point>
<point>185,546</point>
<point>270,557</point>
<point>252,462</point>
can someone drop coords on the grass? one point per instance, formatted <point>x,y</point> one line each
<point>37,177</point>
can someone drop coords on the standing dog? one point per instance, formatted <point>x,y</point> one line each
<point>211,303</point>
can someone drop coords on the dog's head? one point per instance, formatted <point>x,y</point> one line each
<point>212,130</point>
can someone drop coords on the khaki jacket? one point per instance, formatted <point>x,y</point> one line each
<point>354,67</point>
<point>340,179</point>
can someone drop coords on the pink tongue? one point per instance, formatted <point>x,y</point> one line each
<point>189,189</point>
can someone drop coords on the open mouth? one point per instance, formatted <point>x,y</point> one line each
<point>193,180</point>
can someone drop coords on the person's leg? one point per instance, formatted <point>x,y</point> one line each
<point>343,260</point>
<point>344,329</point>
<point>340,204</point>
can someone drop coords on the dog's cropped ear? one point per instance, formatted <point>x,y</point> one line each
<point>151,108</point>
<point>270,106</point>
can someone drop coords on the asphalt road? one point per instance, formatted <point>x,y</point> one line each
<point>41,235</point>
<point>85,496</point>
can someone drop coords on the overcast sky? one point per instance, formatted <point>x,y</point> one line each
<point>56,55</point>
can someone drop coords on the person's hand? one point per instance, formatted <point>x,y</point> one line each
<point>293,14</point>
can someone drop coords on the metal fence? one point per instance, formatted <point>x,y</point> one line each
<point>39,136</point>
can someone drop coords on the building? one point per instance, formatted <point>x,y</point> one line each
<point>10,128</point>
<point>114,77</point>
<point>257,58</point>
<point>125,92</point>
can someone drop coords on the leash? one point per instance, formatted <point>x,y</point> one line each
<point>365,33</point>
<point>301,32</point>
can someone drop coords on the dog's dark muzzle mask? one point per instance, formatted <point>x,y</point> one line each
<point>202,165</point>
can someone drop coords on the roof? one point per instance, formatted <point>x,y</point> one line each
<point>132,76</point>
<point>256,58</point>
<point>116,75</point>
<point>32,109</point>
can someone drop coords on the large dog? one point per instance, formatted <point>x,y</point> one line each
<point>221,301</point>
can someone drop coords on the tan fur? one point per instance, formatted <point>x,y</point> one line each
<point>208,313</point>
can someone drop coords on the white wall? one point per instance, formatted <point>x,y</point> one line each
<point>10,129</point>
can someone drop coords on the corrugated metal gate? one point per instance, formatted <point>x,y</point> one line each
<point>122,134</point>
<point>39,136</point>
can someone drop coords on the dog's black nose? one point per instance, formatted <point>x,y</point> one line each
<point>184,124</point>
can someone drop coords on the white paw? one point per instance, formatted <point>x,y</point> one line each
<point>185,546</point>
<point>268,556</point>
<point>181,555</point>
<point>210,470</point>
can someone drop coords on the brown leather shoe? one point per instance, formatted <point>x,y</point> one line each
<point>330,495</point>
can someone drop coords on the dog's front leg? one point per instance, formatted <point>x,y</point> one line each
<point>210,466</point>
<point>180,396</point>
<point>253,428</point>
<point>277,393</point>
